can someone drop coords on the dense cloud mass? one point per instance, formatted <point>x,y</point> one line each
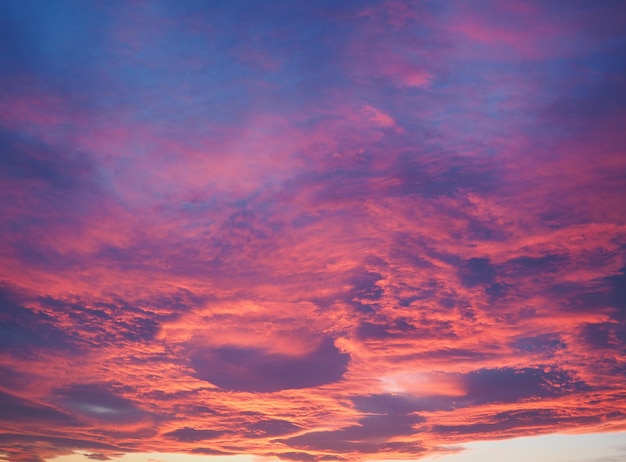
<point>309,231</point>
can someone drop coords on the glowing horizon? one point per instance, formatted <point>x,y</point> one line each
<point>311,231</point>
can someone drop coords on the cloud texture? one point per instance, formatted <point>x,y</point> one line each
<point>309,230</point>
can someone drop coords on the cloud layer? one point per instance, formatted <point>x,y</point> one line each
<point>309,231</point>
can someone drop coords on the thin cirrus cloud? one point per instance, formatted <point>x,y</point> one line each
<point>373,230</point>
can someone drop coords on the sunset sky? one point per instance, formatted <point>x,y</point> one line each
<point>287,230</point>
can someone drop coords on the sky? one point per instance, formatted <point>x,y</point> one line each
<point>243,231</point>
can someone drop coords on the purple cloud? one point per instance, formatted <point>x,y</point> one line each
<point>95,403</point>
<point>191,435</point>
<point>511,385</point>
<point>248,369</point>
